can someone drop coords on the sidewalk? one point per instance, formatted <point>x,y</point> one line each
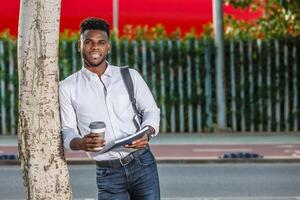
<point>200,148</point>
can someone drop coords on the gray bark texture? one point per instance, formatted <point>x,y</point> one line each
<point>43,164</point>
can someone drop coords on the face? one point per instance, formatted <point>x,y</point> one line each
<point>94,47</point>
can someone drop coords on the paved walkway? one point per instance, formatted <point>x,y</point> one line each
<point>284,147</point>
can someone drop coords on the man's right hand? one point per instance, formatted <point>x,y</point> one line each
<point>88,143</point>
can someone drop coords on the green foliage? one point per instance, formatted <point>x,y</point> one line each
<point>5,35</point>
<point>240,3</point>
<point>167,62</point>
<point>68,35</point>
<point>280,18</point>
<point>144,32</point>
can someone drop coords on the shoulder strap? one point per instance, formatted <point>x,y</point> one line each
<point>129,86</point>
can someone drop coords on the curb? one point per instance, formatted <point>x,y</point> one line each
<point>181,161</point>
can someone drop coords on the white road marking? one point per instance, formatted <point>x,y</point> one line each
<point>210,198</point>
<point>222,150</point>
<point>285,146</point>
<point>232,198</point>
<point>295,155</point>
<point>86,199</point>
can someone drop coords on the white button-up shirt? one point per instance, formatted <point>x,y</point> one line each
<point>84,98</point>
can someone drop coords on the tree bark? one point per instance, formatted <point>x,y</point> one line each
<point>44,168</point>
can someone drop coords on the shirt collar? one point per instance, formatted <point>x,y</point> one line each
<point>108,70</point>
<point>89,74</point>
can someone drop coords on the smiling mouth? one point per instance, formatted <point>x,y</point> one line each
<point>95,55</point>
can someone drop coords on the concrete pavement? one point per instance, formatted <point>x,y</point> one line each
<point>273,147</point>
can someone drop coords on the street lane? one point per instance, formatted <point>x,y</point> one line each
<point>199,151</point>
<point>228,181</point>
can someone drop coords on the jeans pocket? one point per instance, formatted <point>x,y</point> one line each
<point>101,172</point>
<point>146,158</point>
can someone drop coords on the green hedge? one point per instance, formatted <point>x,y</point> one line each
<point>181,75</point>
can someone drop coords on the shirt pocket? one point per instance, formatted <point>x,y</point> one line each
<point>123,105</point>
<point>124,114</point>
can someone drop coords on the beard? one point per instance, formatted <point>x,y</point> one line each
<point>89,63</point>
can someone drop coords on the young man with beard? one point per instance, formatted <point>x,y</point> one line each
<point>98,93</point>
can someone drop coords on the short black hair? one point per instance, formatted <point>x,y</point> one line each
<point>93,23</point>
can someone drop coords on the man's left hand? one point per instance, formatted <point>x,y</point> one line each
<point>139,143</point>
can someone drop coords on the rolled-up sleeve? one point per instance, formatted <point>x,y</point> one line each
<point>145,102</point>
<point>68,116</point>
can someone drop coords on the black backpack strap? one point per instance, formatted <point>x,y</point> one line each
<point>129,86</point>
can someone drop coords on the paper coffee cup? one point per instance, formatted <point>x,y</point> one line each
<point>99,131</point>
<point>99,128</point>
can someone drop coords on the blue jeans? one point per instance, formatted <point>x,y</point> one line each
<point>136,180</point>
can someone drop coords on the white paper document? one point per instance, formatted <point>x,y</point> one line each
<point>124,141</point>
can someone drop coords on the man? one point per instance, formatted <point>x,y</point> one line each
<point>97,93</point>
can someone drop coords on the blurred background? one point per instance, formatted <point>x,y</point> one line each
<point>224,73</point>
<point>172,15</point>
<point>244,79</point>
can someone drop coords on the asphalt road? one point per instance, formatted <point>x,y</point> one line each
<point>230,181</point>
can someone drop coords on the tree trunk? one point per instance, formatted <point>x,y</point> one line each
<point>44,167</point>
